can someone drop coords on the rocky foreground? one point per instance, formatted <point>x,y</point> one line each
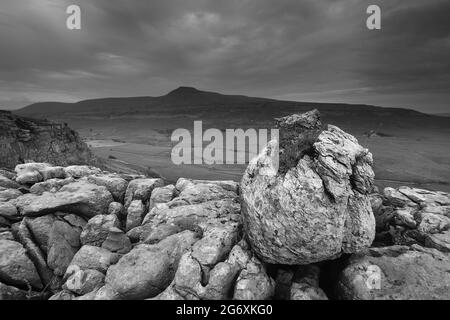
<point>315,229</point>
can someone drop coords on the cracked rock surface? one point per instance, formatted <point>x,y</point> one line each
<point>319,208</point>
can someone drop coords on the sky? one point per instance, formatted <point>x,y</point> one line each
<point>300,50</point>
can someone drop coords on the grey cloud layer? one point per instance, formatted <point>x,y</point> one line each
<point>316,50</point>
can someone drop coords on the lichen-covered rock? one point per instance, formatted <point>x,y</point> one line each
<point>15,266</point>
<point>396,273</point>
<point>317,209</point>
<point>80,198</point>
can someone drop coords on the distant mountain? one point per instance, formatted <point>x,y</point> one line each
<point>232,110</point>
<point>443,114</point>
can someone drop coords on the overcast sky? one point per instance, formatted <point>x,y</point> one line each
<point>305,50</point>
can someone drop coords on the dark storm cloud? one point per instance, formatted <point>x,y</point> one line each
<point>316,50</point>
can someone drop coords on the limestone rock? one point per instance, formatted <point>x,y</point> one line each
<point>305,284</point>
<point>90,257</point>
<point>51,185</point>
<point>9,194</point>
<point>136,212</point>
<point>148,269</point>
<point>81,171</point>
<point>396,273</point>
<point>80,198</point>
<point>141,189</point>
<point>8,183</point>
<point>63,244</point>
<point>161,195</point>
<point>315,211</point>
<point>96,230</point>
<point>114,183</point>
<point>15,266</point>
<point>253,283</point>
<point>82,282</point>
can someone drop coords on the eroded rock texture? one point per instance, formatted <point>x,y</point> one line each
<point>318,208</point>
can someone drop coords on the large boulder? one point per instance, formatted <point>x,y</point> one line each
<point>316,206</point>
<point>396,273</point>
<point>80,198</point>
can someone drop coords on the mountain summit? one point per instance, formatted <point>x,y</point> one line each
<point>184,91</point>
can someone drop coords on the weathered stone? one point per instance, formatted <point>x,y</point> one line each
<point>40,228</point>
<point>141,189</point>
<point>8,183</point>
<point>148,269</point>
<point>96,230</point>
<point>183,183</point>
<point>82,282</point>
<point>90,257</point>
<point>6,235</point>
<point>63,295</point>
<point>34,253</point>
<point>200,193</point>
<point>52,185</point>
<point>439,241</point>
<point>136,212</point>
<point>106,293</point>
<point>52,173</point>
<point>80,198</point>
<point>15,266</point>
<point>8,210</point>
<point>253,283</point>
<point>117,241</point>
<point>63,243</point>
<point>396,198</point>
<point>315,211</point>
<point>9,194</point>
<point>81,171</point>
<point>421,196</point>
<point>117,209</point>
<point>114,183</point>
<point>396,273</point>
<point>305,284</point>
<point>161,195</point>
<point>11,293</point>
